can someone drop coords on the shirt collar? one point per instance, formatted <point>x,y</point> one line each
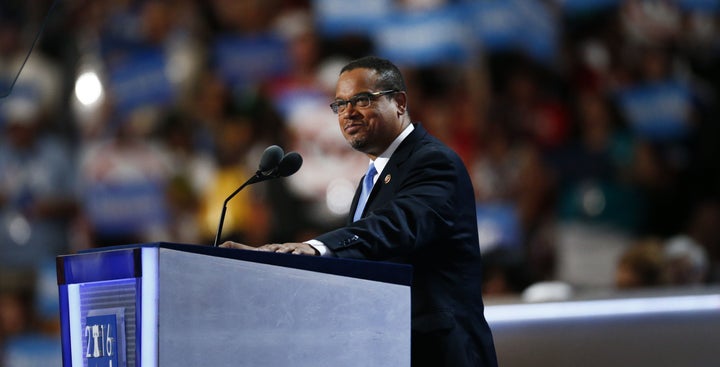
<point>382,160</point>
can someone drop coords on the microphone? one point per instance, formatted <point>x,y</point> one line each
<point>274,163</point>
<point>289,164</point>
<point>270,159</point>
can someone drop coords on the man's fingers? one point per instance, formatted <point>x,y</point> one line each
<point>285,248</point>
<point>269,248</point>
<point>235,245</point>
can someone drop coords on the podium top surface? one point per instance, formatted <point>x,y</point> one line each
<point>119,262</point>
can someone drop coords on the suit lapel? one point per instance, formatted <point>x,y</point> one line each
<point>401,154</point>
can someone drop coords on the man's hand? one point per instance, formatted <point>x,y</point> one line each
<point>286,248</point>
<point>239,246</point>
<point>290,248</point>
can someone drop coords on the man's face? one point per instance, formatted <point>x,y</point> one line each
<point>368,129</point>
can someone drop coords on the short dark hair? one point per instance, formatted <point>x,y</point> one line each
<point>389,76</point>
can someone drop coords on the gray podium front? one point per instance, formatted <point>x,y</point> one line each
<point>183,305</point>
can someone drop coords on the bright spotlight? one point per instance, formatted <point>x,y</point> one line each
<point>88,88</point>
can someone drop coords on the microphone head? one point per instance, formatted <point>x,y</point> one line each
<point>289,164</point>
<point>271,158</point>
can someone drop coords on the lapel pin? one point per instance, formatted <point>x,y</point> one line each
<point>387,178</point>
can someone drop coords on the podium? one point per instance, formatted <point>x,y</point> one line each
<point>165,304</point>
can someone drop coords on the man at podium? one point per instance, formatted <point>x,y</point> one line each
<point>415,205</point>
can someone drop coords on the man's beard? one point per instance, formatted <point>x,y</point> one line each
<point>358,143</point>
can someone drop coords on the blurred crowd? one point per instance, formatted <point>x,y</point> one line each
<point>589,128</point>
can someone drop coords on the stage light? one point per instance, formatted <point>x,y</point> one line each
<point>88,88</point>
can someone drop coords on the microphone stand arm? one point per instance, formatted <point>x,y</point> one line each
<point>256,178</point>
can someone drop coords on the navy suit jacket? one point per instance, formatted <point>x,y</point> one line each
<point>421,211</point>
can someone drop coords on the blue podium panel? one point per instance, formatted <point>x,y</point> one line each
<point>101,296</point>
<point>170,305</point>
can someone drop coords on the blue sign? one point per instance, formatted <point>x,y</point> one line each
<point>526,25</point>
<point>539,36</point>
<point>339,17</point>
<point>243,60</point>
<point>657,111</point>
<point>496,24</point>
<point>425,38</point>
<point>127,207</point>
<point>140,80</point>
<point>122,33</point>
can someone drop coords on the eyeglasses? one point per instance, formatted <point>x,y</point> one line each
<point>359,100</point>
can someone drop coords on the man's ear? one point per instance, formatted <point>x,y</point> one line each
<point>401,101</point>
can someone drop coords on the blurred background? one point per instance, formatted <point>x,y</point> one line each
<point>589,128</point>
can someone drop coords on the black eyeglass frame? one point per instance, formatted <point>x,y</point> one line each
<point>341,104</point>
